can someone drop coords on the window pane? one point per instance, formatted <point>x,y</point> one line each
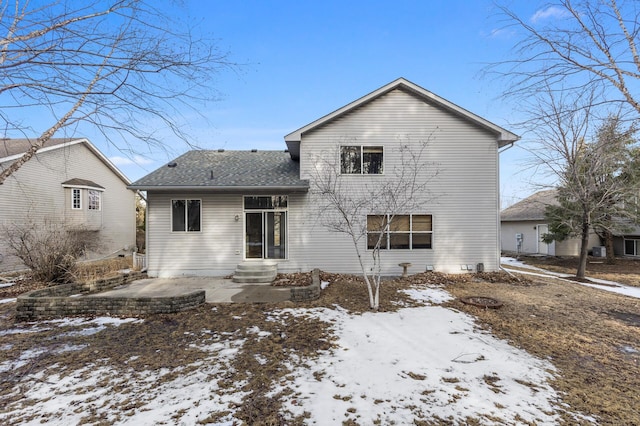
<point>178,215</point>
<point>421,241</point>
<point>372,240</point>
<point>350,160</point>
<point>400,223</point>
<point>194,215</point>
<point>630,247</point>
<point>399,241</point>
<point>372,160</point>
<point>75,199</point>
<point>376,222</point>
<point>94,199</point>
<point>422,222</point>
<point>266,203</point>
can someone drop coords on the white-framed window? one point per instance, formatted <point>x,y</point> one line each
<point>632,246</point>
<point>94,199</point>
<point>76,198</point>
<point>361,160</point>
<point>186,215</point>
<point>400,232</point>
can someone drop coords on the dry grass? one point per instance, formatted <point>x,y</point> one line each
<point>591,336</point>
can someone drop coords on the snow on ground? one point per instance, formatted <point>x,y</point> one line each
<point>392,368</point>
<point>417,363</point>
<point>611,286</point>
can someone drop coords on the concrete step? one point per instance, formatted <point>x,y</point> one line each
<point>255,272</point>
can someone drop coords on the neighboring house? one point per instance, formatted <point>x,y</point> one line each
<point>209,211</point>
<point>523,225</point>
<point>70,182</point>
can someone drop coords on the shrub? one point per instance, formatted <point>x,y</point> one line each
<point>50,249</point>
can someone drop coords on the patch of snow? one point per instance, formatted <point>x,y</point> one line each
<point>2,285</point>
<point>417,363</point>
<point>607,285</point>
<point>324,284</point>
<point>8,300</point>
<point>429,294</point>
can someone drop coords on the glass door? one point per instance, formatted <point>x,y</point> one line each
<point>266,235</point>
<point>253,235</point>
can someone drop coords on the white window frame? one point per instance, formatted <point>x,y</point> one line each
<point>387,233</point>
<point>186,214</point>
<point>91,201</point>
<point>362,148</point>
<point>75,191</point>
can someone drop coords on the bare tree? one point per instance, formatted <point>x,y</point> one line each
<point>588,45</point>
<point>591,167</point>
<point>366,213</point>
<point>123,66</point>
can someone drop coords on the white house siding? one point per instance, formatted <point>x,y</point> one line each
<point>35,193</point>
<point>569,247</point>
<point>464,194</point>
<point>219,247</point>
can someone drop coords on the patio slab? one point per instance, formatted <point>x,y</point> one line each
<point>217,290</point>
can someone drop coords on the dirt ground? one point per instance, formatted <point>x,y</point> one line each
<point>591,336</point>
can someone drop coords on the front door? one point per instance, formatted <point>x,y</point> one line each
<point>265,234</point>
<point>543,248</point>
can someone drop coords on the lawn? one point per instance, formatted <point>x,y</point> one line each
<point>556,352</point>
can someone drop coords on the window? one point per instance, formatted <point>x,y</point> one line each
<point>265,203</point>
<point>366,160</point>
<point>94,199</point>
<point>76,198</point>
<point>632,247</point>
<point>399,232</point>
<point>185,215</point>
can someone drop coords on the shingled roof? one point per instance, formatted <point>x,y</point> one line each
<point>227,171</point>
<point>531,208</point>
<point>11,147</point>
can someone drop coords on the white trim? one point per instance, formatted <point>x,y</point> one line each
<point>362,147</point>
<point>95,188</point>
<point>73,198</point>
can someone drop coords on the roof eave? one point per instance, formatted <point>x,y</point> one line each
<point>288,189</point>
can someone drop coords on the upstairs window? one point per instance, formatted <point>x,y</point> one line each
<point>185,215</point>
<point>399,232</point>
<point>365,160</point>
<point>94,199</point>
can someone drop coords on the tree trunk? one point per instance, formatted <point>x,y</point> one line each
<point>608,244</point>
<point>584,248</point>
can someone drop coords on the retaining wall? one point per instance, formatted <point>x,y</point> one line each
<point>79,299</point>
<point>310,292</point>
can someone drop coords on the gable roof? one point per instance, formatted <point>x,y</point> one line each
<point>531,208</point>
<point>12,149</point>
<point>504,137</point>
<point>227,171</point>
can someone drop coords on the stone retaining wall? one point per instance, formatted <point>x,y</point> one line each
<point>80,299</point>
<point>310,292</point>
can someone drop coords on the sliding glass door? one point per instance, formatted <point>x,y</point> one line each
<point>265,227</point>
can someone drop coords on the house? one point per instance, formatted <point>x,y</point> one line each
<point>68,181</point>
<point>523,225</point>
<point>210,211</point>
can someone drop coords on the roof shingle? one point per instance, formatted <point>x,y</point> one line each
<point>226,170</point>
<point>531,208</point>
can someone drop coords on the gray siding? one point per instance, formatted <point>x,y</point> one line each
<point>219,246</point>
<point>35,193</point>
<point>463,197</point>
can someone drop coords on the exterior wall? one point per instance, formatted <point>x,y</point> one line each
<point>219,247</point>
<point>463,198</point>
<point>528,228</point>
<point>529,236</point>
<point>35,193</point>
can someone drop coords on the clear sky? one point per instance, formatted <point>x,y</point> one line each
<point>303,59</point>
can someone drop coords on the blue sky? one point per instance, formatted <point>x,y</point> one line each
<point>302,60</point>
